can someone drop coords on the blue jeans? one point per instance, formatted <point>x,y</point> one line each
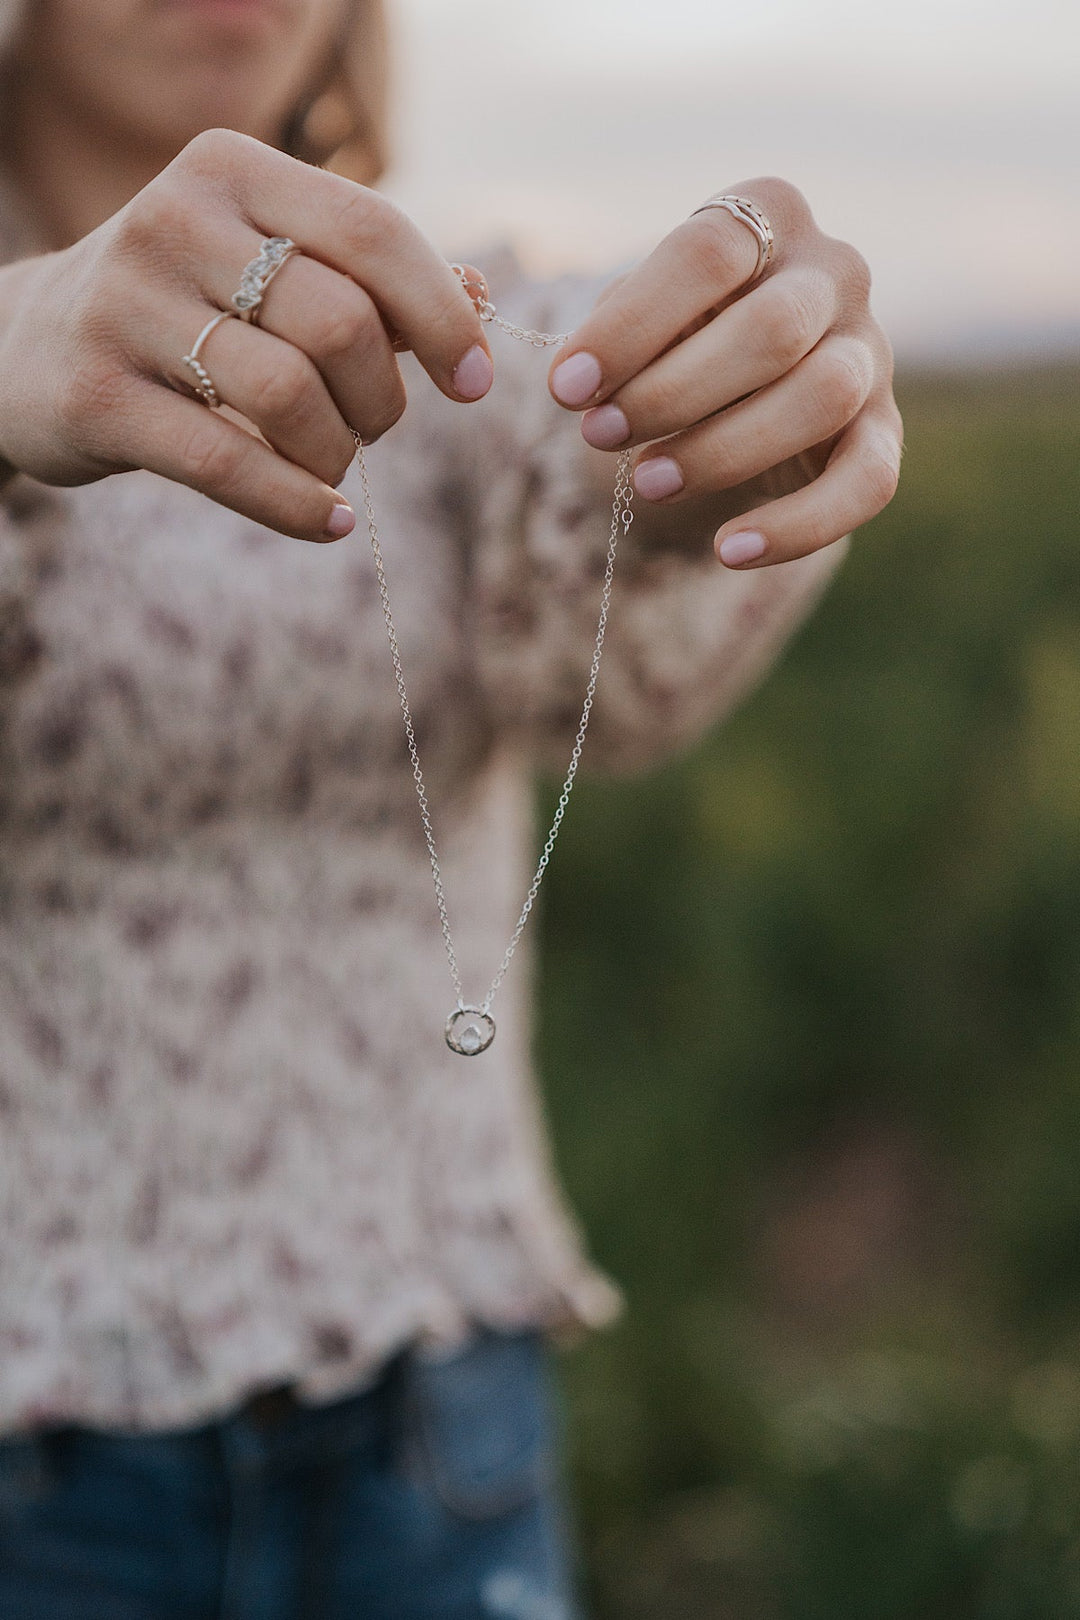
<point>431,1494</point>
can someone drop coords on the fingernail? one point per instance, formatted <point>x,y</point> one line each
<point>577,379</point>
<point>604,427</point>
<point>658,477</point>
<point>473,374</point>
<point>744,547</point>
<point>342,521</point>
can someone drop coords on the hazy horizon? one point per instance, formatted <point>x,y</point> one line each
<point>944,143</point>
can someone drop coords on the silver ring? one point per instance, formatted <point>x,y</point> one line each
<point>275,252</point>
<point>203,385</point>
<point>749,214</point>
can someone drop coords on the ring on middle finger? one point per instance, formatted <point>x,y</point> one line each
<point>274,253</point>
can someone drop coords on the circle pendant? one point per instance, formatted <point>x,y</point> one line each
<point>469,1031</point>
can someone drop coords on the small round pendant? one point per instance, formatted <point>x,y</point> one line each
<point>469,1031</point>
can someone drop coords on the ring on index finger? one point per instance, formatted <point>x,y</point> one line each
<point>203,384</point>
<point>750,215</point>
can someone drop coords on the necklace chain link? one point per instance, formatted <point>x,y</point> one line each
<point>621,518</point>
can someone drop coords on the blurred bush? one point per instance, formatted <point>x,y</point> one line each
<point>811,1036</point>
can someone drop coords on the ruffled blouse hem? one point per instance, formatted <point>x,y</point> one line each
<point>262,1355</point>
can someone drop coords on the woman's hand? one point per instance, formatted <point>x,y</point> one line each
<point>735,377</point>
<point>92,339</point>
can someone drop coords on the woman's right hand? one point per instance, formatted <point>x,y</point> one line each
<point>92,379</point>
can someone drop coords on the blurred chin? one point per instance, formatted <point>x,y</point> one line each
<point>201,77</point>
<point>225,32</point>
<point>159,71</point>
<point>251,13</point>
<point>205,101</point>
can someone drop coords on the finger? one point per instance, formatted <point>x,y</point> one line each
<point>611,288</point>
<point>812,403</point>
<point>859,479</point>
<point>184,441</point>
<point>362,235</point>
<point>277,388</point>
<point>700,265</point>
<point>748,345</point>
<point>475,284</point>
<point>327,317</point>
<point>332,320</point>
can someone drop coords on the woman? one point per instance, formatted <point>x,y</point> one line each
<point>274,1263</point>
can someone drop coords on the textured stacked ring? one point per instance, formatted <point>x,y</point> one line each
<point>274,253</point>
<point>749,214</point>
<point>204,387</point>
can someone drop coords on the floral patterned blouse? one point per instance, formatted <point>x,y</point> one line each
<point>234,1147</point>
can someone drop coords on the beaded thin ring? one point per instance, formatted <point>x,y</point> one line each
<point>749,214</point>
<point>275,252</point>
<point>203,384</point>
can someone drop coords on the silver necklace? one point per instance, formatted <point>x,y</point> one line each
<point>470,1028</point>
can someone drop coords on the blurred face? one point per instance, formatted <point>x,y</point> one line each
<point>158,71</point>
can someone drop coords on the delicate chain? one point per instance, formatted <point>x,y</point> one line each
<point>621,518</point>
<point>477,290</point>
<point>410,731</point>
<point>524,334</point>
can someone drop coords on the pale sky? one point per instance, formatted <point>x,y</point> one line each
<point>942,137</point>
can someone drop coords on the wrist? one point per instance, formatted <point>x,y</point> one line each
<point>20,289</point>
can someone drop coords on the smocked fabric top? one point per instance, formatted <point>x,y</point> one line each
<point>234,1148</point>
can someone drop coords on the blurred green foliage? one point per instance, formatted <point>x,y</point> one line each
<point>811,1037</point>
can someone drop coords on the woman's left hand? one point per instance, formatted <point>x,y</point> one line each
<point>735,376</point>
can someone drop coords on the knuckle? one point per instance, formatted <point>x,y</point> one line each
<point>893,424</point>
<point>841,382</point>
<point>635,328</point>
<point>784,191</point>
<point>798,321</point>
<point>881,366</point>
<point>662,403</point>
<point>212,150</point>
<point>387,419</point>
<point>881,470</point>
<point>725,467</point>
<point>214,166</point>
<point>785,330</point>
<point>344,327</point>
<point>282,394</point>
<point>159,214</point>
<point>209,458</point>
<point>854,274</point>
<point>715,250</point>
<point>366,221</point>
<point>783,202</point>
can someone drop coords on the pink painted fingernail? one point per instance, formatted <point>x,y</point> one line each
<point>658,477</point>
<point>473,373</point>
<point>604,427</point>
<point>577,379</point>
<point>342,521</point>
<point>745,547</point>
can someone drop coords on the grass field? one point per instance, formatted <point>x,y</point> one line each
<point>811,1040</point>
